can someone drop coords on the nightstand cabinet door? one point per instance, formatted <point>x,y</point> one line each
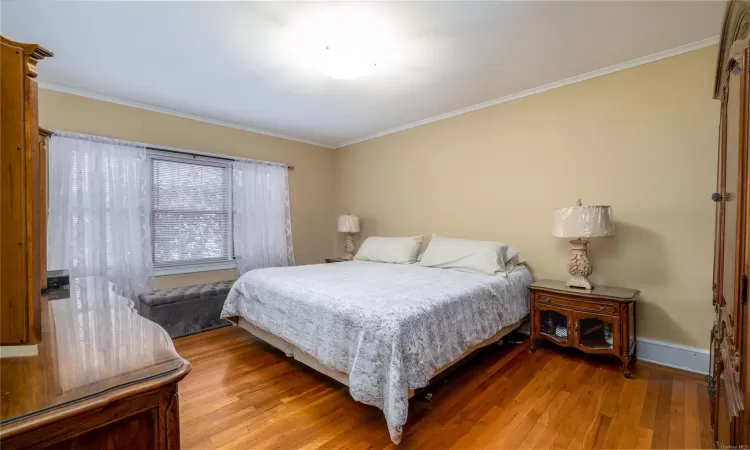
<point>597,333</point>
<point>555,324</point>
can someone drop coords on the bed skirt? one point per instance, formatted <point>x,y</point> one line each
<point>292,351</point>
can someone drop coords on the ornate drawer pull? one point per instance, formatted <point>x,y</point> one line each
<point>601,308</point>
<point>716,197</point>
<point>545,300</point>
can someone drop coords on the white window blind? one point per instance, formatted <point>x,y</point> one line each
<point>190,211</point>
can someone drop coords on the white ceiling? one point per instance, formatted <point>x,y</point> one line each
<point>233,61</point>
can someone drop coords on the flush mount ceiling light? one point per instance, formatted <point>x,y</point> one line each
<point>343,42</point>
<point>345,64</point>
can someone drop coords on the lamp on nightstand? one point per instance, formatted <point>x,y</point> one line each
<point>580,222</point>
<point>349,224</point>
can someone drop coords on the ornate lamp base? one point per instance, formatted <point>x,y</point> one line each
<point>349,247</point>
<point>579,265</point>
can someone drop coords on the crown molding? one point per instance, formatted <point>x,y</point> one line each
<point>91,95</point>
<point>557,84</point>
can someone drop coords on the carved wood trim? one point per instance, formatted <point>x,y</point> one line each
<point>727,364</point>
<point>172,422</point>
<point>736,24</point>
<point>34,53</point>
<point>733,390</point>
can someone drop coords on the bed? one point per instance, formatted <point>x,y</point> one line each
<point>382,329</point>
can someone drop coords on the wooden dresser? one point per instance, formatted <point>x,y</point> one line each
<point>104,377</point>
<point>95,374</point>
<point>729,379</point>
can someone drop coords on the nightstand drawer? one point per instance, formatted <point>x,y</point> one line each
<point>546,299</point>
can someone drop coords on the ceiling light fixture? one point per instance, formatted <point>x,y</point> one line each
<point>344,42</point>
<point>346,64</point>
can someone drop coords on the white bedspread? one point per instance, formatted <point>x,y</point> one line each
<point>388,326</point>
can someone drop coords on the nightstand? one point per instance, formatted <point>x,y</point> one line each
<point>599,321</point>
<point>334,260</point>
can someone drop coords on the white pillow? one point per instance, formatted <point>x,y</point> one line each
<point>514,261</point>
<point>395,250</point>
<point>487,257</point>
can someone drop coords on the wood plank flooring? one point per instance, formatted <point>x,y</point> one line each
<point>243,394</point>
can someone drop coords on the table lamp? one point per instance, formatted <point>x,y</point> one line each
<point>348,224</point>
<point>581,222</point>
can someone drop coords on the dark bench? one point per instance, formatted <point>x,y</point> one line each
<point>188,309</point>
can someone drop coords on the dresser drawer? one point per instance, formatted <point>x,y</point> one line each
<point>581,305</point>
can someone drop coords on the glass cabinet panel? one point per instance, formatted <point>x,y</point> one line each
<point>596,333</point>
<point>554,325</point>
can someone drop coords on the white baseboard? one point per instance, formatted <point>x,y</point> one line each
<point>690,359</point>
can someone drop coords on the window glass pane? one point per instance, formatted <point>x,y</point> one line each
<point>185,186</point>
<point>189,211</point>
<point>189,236</point>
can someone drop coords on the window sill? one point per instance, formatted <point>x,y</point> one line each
<point>193,268</point>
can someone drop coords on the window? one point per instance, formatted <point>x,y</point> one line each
<point>191,211</point>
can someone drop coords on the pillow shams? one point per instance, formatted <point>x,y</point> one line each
<point>394,250</point>
<point>488,257</point>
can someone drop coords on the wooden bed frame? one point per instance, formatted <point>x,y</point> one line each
<point>292,351</point>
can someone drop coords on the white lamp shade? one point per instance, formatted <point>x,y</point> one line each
<point>583,222</point>
<point>348,224</point>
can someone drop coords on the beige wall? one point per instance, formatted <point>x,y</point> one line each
<point>311,184</point>
<point>642,140</point>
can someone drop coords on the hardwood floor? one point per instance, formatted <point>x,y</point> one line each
<point>244,394</point>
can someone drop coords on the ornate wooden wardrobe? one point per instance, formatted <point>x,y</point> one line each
<point>23,199</point>
<point>728,383</point>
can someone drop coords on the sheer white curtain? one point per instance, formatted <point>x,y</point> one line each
<point>98,211</point>
<point>262,224</point>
